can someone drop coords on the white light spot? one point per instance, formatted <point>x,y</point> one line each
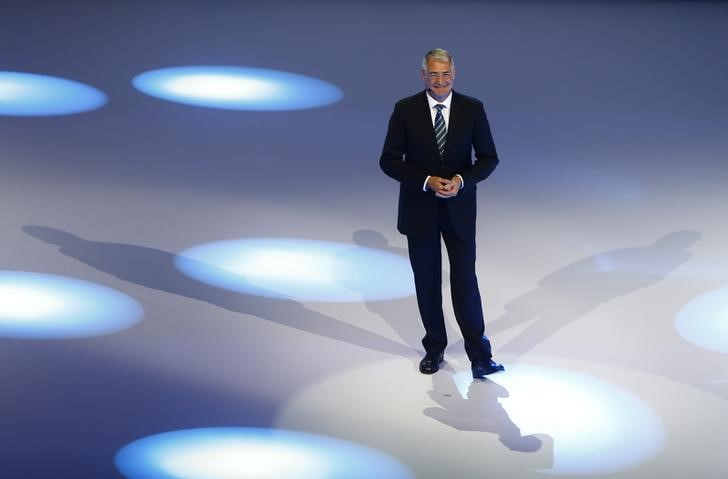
<point>597,427</point>
<point>28,302</point>
<point>42,306</point>
<point>237,88</point>
<point>300,269</point>
<point>226,458</point>
<point>28,94</point>
<point>704,321</point>
<point>233,453</point>
<point>221,87</point>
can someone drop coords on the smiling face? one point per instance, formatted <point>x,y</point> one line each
<point>438,78</point>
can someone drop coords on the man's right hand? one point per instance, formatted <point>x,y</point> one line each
<point>442,187</point>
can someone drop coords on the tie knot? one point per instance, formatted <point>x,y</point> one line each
<point>439,106</point>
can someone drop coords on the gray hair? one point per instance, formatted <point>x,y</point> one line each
<point>438,54</point>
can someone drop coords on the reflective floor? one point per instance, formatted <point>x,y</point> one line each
<point>196,290</point>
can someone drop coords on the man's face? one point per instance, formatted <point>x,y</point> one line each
<point>438,78</point>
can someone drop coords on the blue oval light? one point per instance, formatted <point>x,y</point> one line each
<point>28,94</point>
<point>704,321</point>
<point>237,88</point>
<point>215,453</point>
<point>300,269</point>
<point>596,426</point>
<point>44,306</point>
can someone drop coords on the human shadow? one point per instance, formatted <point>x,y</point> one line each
<point>155,269</point>
<point>571,292</point>
<point>480,410</point>
<point>401,314</point>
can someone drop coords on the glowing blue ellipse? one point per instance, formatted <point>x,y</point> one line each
<point>300,269</point>
<point>44,306</point>
<point>237,88</point>
<point>597,427</point>
<point>223,453</point>
<point>28,94</point>
<point>704,321</point>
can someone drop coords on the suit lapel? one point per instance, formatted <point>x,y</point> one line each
<point>452,123</point>
<point>453,120</point>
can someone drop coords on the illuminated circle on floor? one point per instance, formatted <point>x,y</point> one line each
<point>237,88</point>
<point>258,453</point>
<point>597,427</point>
<point>44,306</point>
<point>300,269</point>
<point>704,321</point>
<point>29,94</point>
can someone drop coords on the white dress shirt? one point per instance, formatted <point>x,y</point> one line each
<point>445,116</point>
<point>445,111</point>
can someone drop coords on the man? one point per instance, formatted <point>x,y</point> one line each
<point>429,150</point>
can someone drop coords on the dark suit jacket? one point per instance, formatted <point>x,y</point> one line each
<point>410,155</point>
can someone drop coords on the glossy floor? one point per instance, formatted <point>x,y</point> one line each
<point>601,237</point>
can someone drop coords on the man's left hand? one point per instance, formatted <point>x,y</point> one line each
<point>451,189</point>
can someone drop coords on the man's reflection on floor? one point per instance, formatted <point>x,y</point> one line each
<point>481,410</point>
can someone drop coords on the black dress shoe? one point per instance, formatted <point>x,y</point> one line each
<point>431,363</point>
<point>482,368</point>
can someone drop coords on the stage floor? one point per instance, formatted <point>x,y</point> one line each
<point>601,239</point>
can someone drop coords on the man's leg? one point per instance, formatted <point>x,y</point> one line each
<point>466,296</point>
<point>426,261</point>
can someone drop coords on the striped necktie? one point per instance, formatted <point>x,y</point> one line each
<point>440,130</point>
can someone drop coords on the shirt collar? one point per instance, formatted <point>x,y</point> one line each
<point>432,102</point>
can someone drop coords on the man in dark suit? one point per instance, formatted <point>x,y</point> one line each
<point>429,150</point>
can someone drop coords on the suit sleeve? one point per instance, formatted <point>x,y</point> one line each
<point>486,158</point>
<point>393,153</point>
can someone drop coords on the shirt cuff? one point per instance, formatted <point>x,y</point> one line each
<point>424,186</point>
<point>462,181</point>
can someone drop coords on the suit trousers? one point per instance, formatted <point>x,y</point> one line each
<point>426,260</point>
